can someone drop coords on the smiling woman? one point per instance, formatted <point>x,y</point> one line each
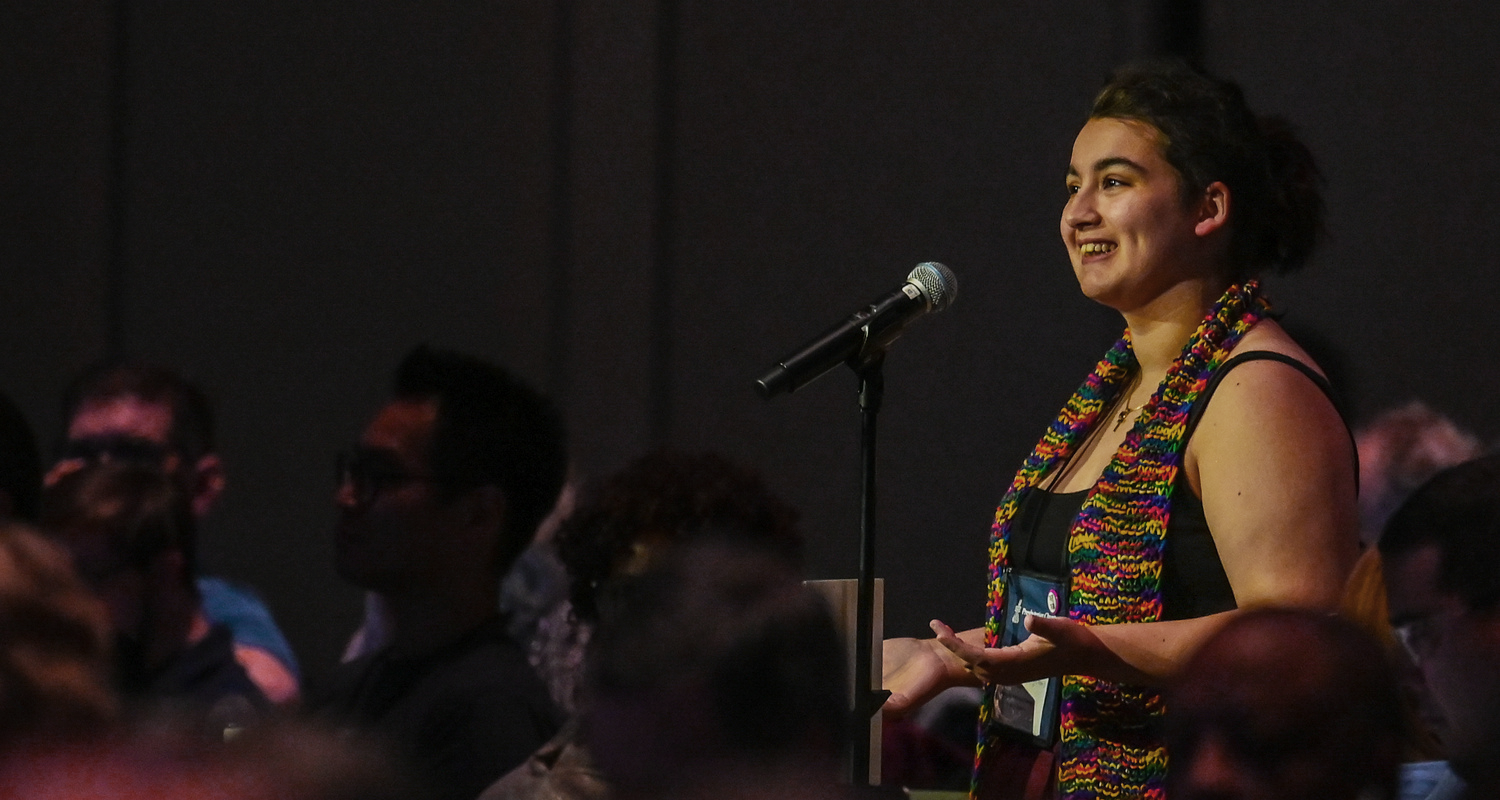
<point>1129,233</point>
<point>1157,531</point>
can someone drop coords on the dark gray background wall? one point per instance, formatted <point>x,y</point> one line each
<point>639,204</point>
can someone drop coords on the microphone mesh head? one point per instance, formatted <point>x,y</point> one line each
<point>939,286</point>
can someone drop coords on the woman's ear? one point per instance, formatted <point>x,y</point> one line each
<point>1213,209</point>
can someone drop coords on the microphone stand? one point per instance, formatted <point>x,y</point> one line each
<point>867,699</point>
<point>860,342</point>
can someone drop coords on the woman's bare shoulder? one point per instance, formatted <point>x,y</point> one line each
<point>1270,336</point>
<point>1266,405</point>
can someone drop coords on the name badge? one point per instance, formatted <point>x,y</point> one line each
<point>1030,708</point>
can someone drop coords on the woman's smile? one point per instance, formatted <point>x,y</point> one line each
<point>1090,250</point>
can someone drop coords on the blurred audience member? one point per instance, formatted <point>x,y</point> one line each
<point>281,760</point>
<point>1398,451</point>
<point>54,650</point>
<point>20,465</point>
<point>534,601</point>
<point>663,498</point>
<point>151,416</point>
<point>131,536</point>
<point>632,517</point>
<point>444,490</point>
<point>933,748</point>
<point>621,526</point>
<point>1285,705</point>
<point>1442,574</point>
<point>717,673</point>
<point>1364,603</point>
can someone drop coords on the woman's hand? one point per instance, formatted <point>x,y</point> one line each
<point>1055,647</point>
<point>916,670</point>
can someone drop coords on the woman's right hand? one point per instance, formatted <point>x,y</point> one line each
<point>916,670</point>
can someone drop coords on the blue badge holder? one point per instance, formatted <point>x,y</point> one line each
<point>1030,709</point>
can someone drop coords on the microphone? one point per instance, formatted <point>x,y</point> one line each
<point>865,334</point>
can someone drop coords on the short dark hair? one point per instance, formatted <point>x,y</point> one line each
<point>1457,512</point>
<point>671,495</point>
<point>139,509</point>
<point>20,462</point>
<point>1210,134</point>
<point>491,430</point>
<point>192,414</point>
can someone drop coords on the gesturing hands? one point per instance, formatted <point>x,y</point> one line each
<point>1055,647</point>
<point>915,670</point>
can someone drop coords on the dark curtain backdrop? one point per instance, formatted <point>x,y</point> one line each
<point>639,204</point>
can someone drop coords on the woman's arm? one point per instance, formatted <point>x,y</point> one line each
<point>916,670</point>
<point>1142,653</point>
<point>1274,465</point>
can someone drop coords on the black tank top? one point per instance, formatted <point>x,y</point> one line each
<point>1193,579</point>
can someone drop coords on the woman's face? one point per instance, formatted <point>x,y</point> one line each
<point>1129,235</point>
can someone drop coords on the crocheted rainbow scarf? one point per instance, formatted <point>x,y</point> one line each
<point>1111,744</point>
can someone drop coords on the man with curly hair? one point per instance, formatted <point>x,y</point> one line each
<point>624,525</point>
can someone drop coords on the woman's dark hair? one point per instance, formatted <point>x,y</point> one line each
<point>665,497</point>
<point>1209,134</point>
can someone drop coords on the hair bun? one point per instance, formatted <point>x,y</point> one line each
<point>1295,201</point>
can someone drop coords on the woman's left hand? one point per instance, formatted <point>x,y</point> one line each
<point>1055,647</point>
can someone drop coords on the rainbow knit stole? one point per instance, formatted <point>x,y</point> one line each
<point>1110,735</point>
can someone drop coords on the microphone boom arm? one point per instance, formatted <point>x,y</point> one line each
<point>856,341</point>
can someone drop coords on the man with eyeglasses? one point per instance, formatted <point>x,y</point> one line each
<point>148,415</point>
<point>1441,552</point>
<point>443,491</point>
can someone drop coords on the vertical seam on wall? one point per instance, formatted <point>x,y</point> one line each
<point>660,401</point>
<point>560,290</point>
<point>117,190</point>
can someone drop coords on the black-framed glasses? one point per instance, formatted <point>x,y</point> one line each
<point>1421,636</point>
<point>370,474</point>
<point>126,449</point>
